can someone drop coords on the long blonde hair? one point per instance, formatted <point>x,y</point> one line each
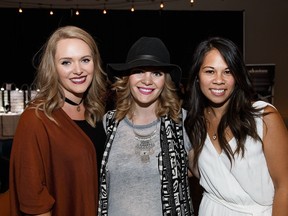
<point>50,95</point>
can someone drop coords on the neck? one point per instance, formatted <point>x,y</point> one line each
<point>212,122</point>
<point>73,103</point>
<point>143,119</point>
<point>142,115</point>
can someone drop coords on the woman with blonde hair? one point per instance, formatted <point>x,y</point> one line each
<point>53,168</point>
<point>143,171</point>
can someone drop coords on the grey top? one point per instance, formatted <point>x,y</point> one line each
<point>134,184</point>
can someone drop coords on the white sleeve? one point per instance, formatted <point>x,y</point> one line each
<point>187,143</point>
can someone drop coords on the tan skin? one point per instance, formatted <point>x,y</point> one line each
<point>217,84</point>
<point>214,75</point>
<point>275,144</point>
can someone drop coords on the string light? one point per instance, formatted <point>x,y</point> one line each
<point>132,7</point>
<point>115,5</point>
<point>104,10</point>
<point>77,13</point>
<point>119,4</point>
<point>51,11</point>
<point>20,9</point>
<point>162,5</point>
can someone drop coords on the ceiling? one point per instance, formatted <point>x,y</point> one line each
<point>92,4</point>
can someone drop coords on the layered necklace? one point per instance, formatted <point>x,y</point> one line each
<point>145,146</point>
<point>73,103</point>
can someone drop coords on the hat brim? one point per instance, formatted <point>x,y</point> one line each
<point>118,70</point>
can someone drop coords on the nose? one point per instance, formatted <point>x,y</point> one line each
<point>218,79</point>
<point>147,78</point>
<point>78,69</point>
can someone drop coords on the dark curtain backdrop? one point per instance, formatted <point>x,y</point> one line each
<point>22,35</point>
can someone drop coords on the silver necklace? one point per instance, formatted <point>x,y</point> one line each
<point>214,136</point>
<point>144,147</point>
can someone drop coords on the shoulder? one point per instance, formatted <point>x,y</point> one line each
<point>262,105</point>
<point>29,114</point>
<point>33,116</point>
<point>270,112</point>
<point>271,117</point>
<point>266,109</point>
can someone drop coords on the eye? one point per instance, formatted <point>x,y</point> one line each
<point>157,73</point>
<point>86,60</point>
<point>65,62</point>
<point>137,71</point>
<point>209,71</point>
<point>227,71</point>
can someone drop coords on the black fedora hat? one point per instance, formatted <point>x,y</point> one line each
<point>147,52</point>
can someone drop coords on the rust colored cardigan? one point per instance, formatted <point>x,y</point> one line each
<point>52,168</point>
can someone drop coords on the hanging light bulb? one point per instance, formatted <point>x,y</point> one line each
<point>20,9</point>
<point>132,7</point>
<point>162,5</point>
<point>51,11</point>
<point>104,9</point>
<point>192,2</point>
<point>77,11</point>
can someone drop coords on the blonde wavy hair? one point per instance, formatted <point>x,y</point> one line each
<point>51,95</point>
<point>168,102</point>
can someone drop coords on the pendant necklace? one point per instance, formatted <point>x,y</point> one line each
<point>73,103</point>
<point>214,136</point>
<point>145,146</point>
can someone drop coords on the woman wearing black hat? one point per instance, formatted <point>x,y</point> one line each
<point>143,171</point>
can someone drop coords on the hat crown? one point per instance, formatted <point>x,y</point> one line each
<point>147,52</point>
<point>149,47</point>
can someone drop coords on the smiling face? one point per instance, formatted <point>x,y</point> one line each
<point>74,66</point>
<point>146,85</point>
<point>215,78</point>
